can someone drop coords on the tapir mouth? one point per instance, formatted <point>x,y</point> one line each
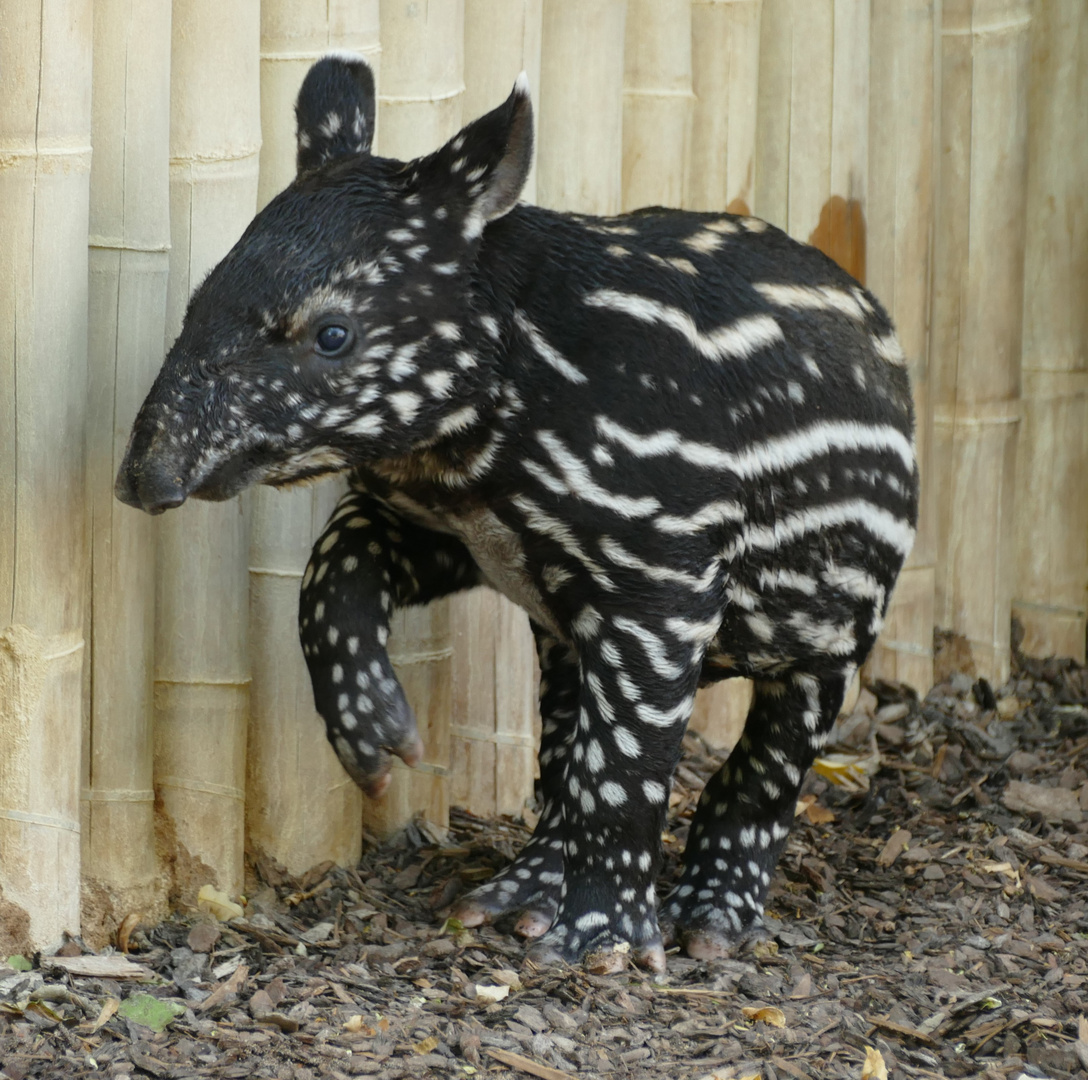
<point>149,483</point>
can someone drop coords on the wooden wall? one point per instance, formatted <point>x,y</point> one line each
<point>156,726</point>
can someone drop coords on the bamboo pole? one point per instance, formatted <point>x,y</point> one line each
<point>301,807</point>
<point>45,158</point>
<point>494,714</point>
<point>580,118</point>
<point>502,39</point>
<point>725,80</point>
<point>813,123</point>
<point>201,655</point>
<point>129,244</point>
<point>423,76</point>
<point>977,305</point>
<point>1052,458</point>
<point>904,44</point>
<point>419,108</point>
<point>657,102</point>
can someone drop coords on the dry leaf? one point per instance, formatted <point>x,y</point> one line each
<point>124,931</point>
<point>850,771</point>
<point>491,994</point>
<point>109,1007</point>
<point>426,1046</point>
<point>1055,804</point>
<point>217,903</point>
<point>874,1067</point>
<point>768,1015</point>
<point>816,814</point>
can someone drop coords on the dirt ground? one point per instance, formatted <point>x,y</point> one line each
<point>929,919</point>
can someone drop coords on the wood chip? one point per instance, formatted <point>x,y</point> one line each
<point>226,991</point>
<point>98,967</point>
<point>899,1029</point>
<point>1053,803</point>
<point>896,845</point>
<point>533,1068</point>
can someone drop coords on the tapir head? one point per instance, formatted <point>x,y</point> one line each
<point>336,330</point>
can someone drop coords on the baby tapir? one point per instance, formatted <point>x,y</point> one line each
<point>681,442</point>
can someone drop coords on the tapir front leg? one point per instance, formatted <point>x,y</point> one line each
<point>368,562</point>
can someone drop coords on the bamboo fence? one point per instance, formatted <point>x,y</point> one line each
<point>898,255</point>
<point>129,261</point>
<point>201,640</point>
<point>978,283</point>
<point>725,84</point>
<point>937,150</point>
<point>1051,513</point>
<point>45,159</point>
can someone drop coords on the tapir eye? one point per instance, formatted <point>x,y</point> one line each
<point>333,339</point>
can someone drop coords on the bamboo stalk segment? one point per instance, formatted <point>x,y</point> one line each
<point>977,305</point>
<point>419,108</point>
<point>502,39</point>
<point>493,754</point>
<point>903,46</point>
<point>720,712</point>
<point>812,124</point>
<point>423,67</point>
<point>301,807</point>
<point>725,79</point>
<point>494,716</point>
<point>580,119</point>
<point>295,33</point>
<point>129,243</point>
<point>657,102</point>
<point>201,653</point>
<point>45,160</point>
<point>1052,457</point>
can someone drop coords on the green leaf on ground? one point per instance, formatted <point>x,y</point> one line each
<point>150,1012</point>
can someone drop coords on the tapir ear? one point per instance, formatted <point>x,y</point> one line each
<point>335,110</point>
<point>483,168</point>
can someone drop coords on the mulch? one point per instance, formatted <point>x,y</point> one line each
<point>929,918</point>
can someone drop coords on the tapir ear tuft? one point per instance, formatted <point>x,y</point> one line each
<point>484,167</point>
<point>335,110</point>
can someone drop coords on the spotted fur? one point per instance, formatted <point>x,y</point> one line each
<point>682,442</point>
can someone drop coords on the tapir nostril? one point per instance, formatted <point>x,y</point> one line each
<point>145,488</point>
<point>164,504</point>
